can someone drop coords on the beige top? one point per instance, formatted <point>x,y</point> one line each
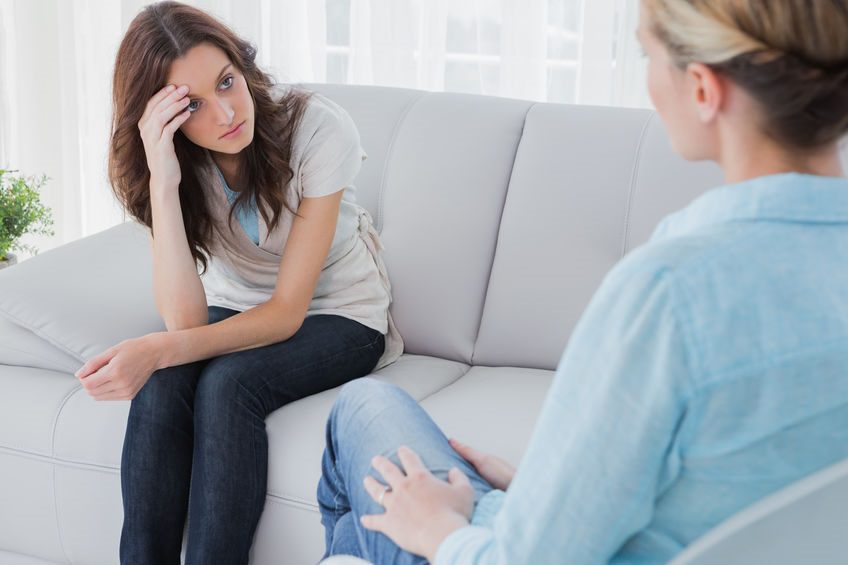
<point>326,157</point>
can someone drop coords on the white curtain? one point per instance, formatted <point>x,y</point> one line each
<point>56,59</point>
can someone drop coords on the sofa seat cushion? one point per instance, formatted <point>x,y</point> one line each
<point>296,432</point>
<point>65,423</point>
<point>490,408</point>
<point>493,409</point>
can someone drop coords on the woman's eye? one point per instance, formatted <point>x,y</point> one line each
<point>194,105</point>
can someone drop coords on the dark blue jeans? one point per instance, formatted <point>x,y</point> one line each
<point>202,425</point>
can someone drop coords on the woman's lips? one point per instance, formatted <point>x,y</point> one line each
<point>233,132</point>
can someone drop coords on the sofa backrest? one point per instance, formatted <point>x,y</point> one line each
<point>501,217</point>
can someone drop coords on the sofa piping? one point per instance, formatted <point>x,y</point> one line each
<point>637,161</point>
<point>402,118</point>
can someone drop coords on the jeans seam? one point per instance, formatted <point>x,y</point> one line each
<point>339,485</point>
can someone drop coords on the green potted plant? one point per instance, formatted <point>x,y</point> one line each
<point>21,212</point>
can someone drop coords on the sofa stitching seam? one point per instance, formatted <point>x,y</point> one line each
<point>637,161</point>
<point>56,460</point>
<point>53,469</point>
<point>412,103</point>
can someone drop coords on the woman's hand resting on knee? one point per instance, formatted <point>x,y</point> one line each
<point>119,372</point>
<point>495,470</point>
<point>421,509</point>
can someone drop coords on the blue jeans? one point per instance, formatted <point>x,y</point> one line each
<point>202,425</point>
<point>371,418</point>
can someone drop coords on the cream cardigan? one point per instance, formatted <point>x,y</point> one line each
<point>326,156</point>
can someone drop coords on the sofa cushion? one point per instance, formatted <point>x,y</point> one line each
<point>493,409</point>
<point>65,423</point>
<point>562,230</point>
<point>296,433</point>
<point>20,346</point>
<point>570,215</point>
<point>56,295</point>
<point>445,185</point>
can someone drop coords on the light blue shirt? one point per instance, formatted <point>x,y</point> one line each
<point>709,370</point>
<point>248,216</point>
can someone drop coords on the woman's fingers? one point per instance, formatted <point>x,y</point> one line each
<point>154,101</point>
<point>170,99</point>
<point>161,109</point>
<point>175,124</point>
<point>375,489</point>
<point>171,109</point>
<point>106,382</point>
<point>389,471</point>
<point>95,363</point>
<point>466,451</point>
<point>374,522</point>
<point>458,478</point>
<point>410,460</point>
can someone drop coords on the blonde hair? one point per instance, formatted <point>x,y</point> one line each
<point>790,55</point>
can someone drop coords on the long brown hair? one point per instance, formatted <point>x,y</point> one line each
<point>790,55</point>
<point>159,34</point>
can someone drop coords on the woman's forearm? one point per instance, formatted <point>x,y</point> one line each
<point>265,324</point>
<point>179,294</point>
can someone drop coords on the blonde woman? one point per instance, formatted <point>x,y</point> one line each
<point>252,181</point>
<point>709,369</point>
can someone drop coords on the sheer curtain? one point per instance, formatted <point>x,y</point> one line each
<point>56,60</point>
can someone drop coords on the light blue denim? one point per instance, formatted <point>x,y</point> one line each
<point>369,418</point>
<point>708,371</point>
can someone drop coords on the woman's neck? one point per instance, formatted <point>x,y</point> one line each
<point>745,159</point>
<point>230,165</point>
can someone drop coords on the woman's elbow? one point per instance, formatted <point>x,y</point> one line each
<point>186,321</point>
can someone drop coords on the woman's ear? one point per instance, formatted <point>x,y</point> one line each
<point>708,90</point>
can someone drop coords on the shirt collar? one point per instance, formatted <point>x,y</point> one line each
<point>785,197</point>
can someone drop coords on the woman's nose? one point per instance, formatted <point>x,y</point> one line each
<point>223,113</point>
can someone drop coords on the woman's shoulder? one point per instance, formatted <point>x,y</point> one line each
<point>320,115</point>
<point>325,132</point>
<point>326,151</point>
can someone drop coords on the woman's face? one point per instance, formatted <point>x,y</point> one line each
<point>219,99</point>
<point>675,96</point>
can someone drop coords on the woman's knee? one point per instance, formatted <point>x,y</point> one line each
<point>360,399</point>
<point>167,397</point>
<point>169,384</point>
<point>225,386</point>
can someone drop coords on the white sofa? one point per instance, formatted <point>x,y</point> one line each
<point>499,217</point>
